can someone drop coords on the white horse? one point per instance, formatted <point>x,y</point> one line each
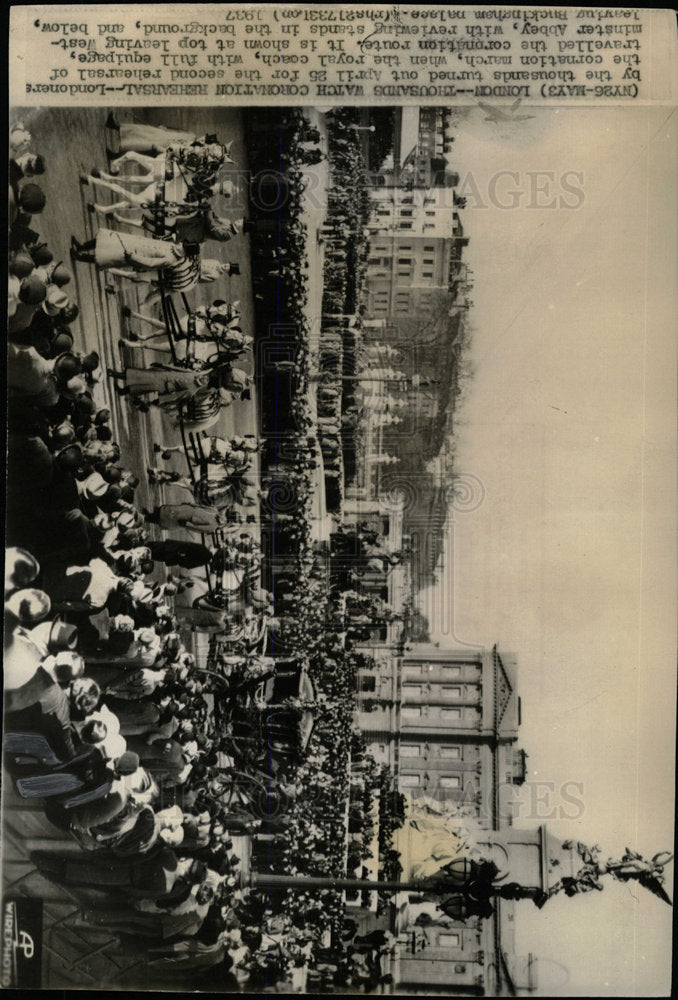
<point>154,185</point>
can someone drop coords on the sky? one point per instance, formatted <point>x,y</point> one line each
<point>566,434</point>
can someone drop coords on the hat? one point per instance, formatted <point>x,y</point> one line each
<point>127,762</point>
<point>112,474</point>
<point>90,362</point>
<point>21,563</point>
<point>127,494</point>
<point>63,435</point>
<point>32,199</point>
<point>21,264</point>
<point>61,275</point>
<point>62,344</point>
<point>113,492</point>
<point>29,605</point>
<point>94,487</point>
<point>103,416</point>
<point>67,365</point>
<point>75,386</point>
<point>32,290</point>
<point>56,300</point>
<point>110,719</point>
<point>69,458</point>
<point>41,254</point>
<point>62,636</point>
<point>69,312</point>
<point>84,403</point>
<point>113,746</point>
<point>146,636</point>
<point>127,520</point>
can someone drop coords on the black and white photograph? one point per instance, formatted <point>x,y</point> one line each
<point>339,649</point>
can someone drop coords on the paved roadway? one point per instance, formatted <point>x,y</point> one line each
<point>73,141</point>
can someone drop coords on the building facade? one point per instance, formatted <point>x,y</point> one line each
<point>415,231</point>
<point>447,721</point>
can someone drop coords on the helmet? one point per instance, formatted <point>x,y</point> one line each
<point>32,199</point>
<point>32,290</point>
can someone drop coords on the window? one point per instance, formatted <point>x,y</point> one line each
<point>411,712</point>
<point>406,213</point>
<point>427,274</point>
<point>429,249</point>
<point>413,670</point>
<point>406,260</point>
<point>451,752</point>
<point>409,780</point>
<point>405,225</point>
<point>368,683</point>
<point>452,670</point>
<point>404,248</point>
<point>449,940</point>
<point>450,691</point>
<point>451,713</point>
<point>428,261</point>
<point>412,689</point>
<point>450,781</point>
<point>430,213</point>
<point>461,969</point>
<point>410,750</point>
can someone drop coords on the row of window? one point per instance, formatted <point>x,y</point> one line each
<point>415,712</point>
<point>415,750</point>
<point>444,780</point>
<point>449,669</point>
<point>451,691</point>
<point>403,248</point>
